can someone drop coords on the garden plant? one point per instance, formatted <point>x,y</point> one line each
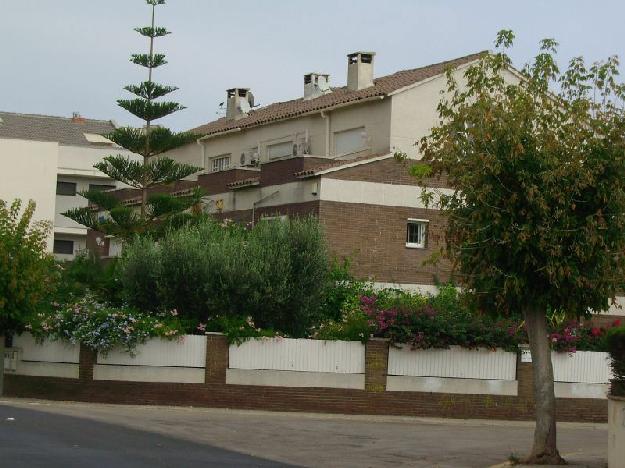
<point>536,160</point>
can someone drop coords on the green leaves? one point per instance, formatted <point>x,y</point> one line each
<point>27,272</point>
<point>148,61</point>
<point>149,31</point>
<point>150,90</point>
<point>536,217</point>
<point>161,140</point>
<point>147,110</point>
<point>144,175</point>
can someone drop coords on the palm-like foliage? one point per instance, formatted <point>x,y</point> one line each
<point>107,212</point>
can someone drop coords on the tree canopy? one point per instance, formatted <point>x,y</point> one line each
<point>158,207</point>
<point>535,162</point>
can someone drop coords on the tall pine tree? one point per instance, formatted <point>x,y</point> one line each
<point>107,212</point>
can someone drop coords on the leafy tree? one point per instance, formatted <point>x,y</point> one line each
<point>157,209</point>
<point>535,219</point>
<point>27,271</point>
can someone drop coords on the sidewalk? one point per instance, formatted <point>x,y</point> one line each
<point>304,439</point>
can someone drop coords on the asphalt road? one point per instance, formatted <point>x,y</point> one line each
<point>65,434</point>
<point>38,439</point>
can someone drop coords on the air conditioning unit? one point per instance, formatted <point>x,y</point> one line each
<point>303,147</point>
<point>249,158</point>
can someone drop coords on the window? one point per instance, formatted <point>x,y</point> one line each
<point>100,187</point>
<point>416,233</point>
<point>63,247</point>
<point>66,188</point>
<point>280,150</point>
<point>350,141</point>
<point>220,163</point>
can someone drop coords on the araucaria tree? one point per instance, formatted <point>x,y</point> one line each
<point>536,215</point>
<point>157,208</point>
<point>27,271</point>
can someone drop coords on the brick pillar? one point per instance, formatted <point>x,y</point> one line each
<point>525,376</point>
<point>216,358</point>
<point>86,361</point>
<point>376,364</point>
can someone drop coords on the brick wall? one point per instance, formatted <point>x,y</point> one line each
<point>283,170</point>
<point>373,400</point>
<point>292,210</point>
<point>374,238</point>
<point>387,171</point>
<point>217,182</point>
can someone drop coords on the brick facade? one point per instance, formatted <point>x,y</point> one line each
<point>386,171</point>
<point>376,364</point>
<point>217,182</point>
<point>217,359</point>
<point>373,237</point>
<point>87,359</point>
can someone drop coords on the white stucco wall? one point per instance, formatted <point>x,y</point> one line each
<point>414,113</point>
<point>28,171</point>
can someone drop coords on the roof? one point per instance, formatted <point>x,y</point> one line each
<point>382,86</point>
<point>65,131</point>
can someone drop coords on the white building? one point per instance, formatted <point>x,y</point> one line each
<point>50,160</point>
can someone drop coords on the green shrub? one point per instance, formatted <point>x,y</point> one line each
<point>616,348</point>
<point>275,273</point>
<point>139,271</point>
<point>85,273</point>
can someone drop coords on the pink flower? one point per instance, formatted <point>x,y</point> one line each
<point>594,331</point>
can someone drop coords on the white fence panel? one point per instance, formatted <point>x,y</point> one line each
<point>455,362</point>
<point>342,357</point>
<point>581,367</point>
<point>48,351</point>
<point>187,351</point>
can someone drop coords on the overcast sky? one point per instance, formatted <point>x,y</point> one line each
<point>60,56</point>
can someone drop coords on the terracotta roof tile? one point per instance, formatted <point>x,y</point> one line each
<point>282,110</point>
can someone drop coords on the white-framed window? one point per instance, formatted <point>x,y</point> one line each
<point>280,150</point>
<point>66,188</point>
<point>65,247</point>
<point>350,141</point>
<point>220,163</point>
<point>416,233</point>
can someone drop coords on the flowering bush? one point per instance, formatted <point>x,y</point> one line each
<point>425,326</point>
<point>102,327</point>
<point>573,336</point>
<point>352,326</point>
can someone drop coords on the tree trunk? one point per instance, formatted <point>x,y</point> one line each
<point>545,450</point>
<point>1,364</point>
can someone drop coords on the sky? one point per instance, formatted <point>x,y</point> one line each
<point>63,56</point>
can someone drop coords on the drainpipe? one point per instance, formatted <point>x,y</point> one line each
<point>326,116</point>
<point>203,155</point>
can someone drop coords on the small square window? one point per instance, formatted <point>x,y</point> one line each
<point>66,188</point>
<point>65,247</point>
<point>416,233</point>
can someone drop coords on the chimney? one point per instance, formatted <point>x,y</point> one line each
<point>77,118</point>
<point>239,102</point>
<point>316,84</point>
<point>360,70</point>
